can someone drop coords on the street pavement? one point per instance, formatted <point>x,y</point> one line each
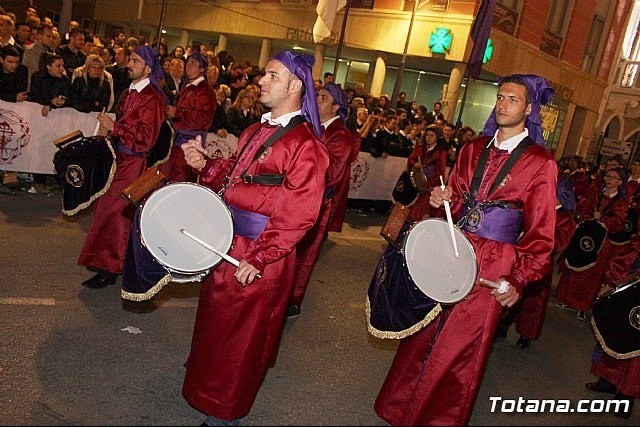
<point>76,356</point>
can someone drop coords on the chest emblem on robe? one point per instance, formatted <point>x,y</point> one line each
<point>505,181</point>
<point>263,157</point>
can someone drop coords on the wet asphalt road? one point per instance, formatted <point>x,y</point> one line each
<point>76,356</point>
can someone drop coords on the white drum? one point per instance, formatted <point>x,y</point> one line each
<point>192,207</point>
<point>432,262</point>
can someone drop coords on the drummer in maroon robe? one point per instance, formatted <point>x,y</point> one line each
<point>339,204</point>
<point>436,373</point>
<point>433,157</point>
<point>140,115</point>
<point>332,107</point>
<point>577,290</point>
<point>618,376</point>
<point>274,199</point>
<point>191,116</point>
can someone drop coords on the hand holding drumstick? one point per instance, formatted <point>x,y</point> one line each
<point>194,153</point>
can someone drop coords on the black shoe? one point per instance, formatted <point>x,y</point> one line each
<point>601,386</point>
<point>523,343</point>
<point>566,307</point>
<point>624,410</point>
<point>99,281</point>
<point>501,333</point>
<point>293,310</point>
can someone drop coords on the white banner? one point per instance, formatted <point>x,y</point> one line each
<point>374,178</point>
<point>26,137</point>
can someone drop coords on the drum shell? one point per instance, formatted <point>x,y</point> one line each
<point>616,320</point>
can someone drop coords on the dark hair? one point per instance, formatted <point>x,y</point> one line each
<point>328,74</point>
<point>518,81</point>
<point>9,50</point>
<point>49,59</point>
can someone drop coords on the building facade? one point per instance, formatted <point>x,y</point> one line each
<point>579,46</point>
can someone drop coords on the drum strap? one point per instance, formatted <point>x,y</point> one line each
<point>269,179</point>
<point>484,157</point>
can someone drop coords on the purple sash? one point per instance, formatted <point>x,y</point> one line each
<point>183,136</point>
<point>493,222</point>
<point>248,224</point>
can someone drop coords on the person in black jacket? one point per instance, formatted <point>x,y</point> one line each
<point>49,86</point>
<point>13,76</point>
<point>91,91</point>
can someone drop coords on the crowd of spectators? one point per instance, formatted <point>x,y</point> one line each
<point>82,70</point>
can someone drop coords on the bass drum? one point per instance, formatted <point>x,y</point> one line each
<point>432,263</point>
<point>616,320</point>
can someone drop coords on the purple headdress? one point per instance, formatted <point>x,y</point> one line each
<point>151,58</point>
<point>301,65</point>
<point>541,93</point>
<point>339,97</point>
<point>200,58</point>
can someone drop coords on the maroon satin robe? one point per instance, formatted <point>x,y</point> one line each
<point>338,140</point>
<point>194,111</point>
<point>437,158</point>
<point>436,373</point>
<point>339,205</point>
<point>237,329</point>
<point>140,117</point>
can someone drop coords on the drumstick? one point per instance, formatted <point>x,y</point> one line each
<point>502,287</point>
<point>228,258</point>
<point>447,209</point>
<point>95,132</point>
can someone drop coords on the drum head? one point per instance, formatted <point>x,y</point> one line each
<point>433,265</point>
<point>189,206</point>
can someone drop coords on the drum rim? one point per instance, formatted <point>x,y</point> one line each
<point>467,242</point>
<point>164,264</point>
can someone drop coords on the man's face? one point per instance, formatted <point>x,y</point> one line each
<point>437,107</point>
<point>121,58</point>
<point>23,33</point>
<point>511,106</point>
<point>5,27</point>
<point>447,131</point>
<point>328,79</point>
<point>193,69</point>
<point>10,64</point>
<point>362,114</point>
<point>78,41</point>
<point>138,70</point>
<point>392,124</point>
<point>276,84</point>
<point>176,69</point>
<point>326,107</point>
<point>48,38</point>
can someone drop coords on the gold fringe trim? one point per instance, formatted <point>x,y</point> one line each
<point>93,198</point>
<point>578,269</point>
<point>610,352</point>
<point>150,293</point>
<point>404,333</point>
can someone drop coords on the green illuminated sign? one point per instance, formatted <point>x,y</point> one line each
<point>488,52</point>
<point>440,40</point>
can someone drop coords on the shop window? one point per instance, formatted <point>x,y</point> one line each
<point>556,27</point>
